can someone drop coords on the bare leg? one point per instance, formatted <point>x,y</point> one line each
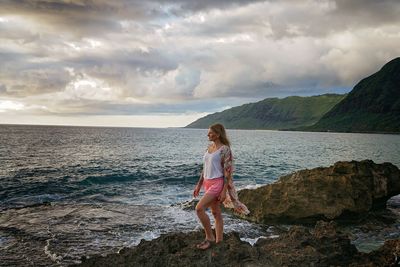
<point>219,223</point>
<point>205,202</point>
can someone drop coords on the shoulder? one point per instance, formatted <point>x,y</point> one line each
<point>225,150</point>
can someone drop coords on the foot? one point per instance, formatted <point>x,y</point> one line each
<point>205,244</point>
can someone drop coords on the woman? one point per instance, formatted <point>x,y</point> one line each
<point>216,178</point>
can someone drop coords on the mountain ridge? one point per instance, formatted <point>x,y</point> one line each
<point>272,113</point>
<point>372,106</point>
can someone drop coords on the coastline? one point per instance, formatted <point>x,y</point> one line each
<point>322,246</point>
<point>323,242</point>
<point>302,131</point>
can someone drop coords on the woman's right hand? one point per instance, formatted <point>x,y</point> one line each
<point>196,190</point>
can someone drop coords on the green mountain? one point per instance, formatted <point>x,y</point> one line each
<point>372,106</point>
<point>273,113</point>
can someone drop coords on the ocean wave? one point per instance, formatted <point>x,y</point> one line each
<point>138,176</point>
<point>116,178</point>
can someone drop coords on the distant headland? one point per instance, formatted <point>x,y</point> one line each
<point>373,106</point>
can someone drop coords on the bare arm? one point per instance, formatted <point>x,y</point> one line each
<point>201,179</point>
<point>198,185</point>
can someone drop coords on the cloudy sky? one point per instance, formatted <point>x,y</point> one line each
<point>160,63</point>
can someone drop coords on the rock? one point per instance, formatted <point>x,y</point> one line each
<point>187,205</point>
<point>344,191</point>
<point>179,249</point>
<point>323,246</point>
<point>386,255</point>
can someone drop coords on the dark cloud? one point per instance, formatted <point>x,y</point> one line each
<point>80,18</point>
<point>96,17</point>
<point>24,77</point>
<point>124,8</point>
<point>353,15</point>
<point>35,82</point>
<point>369,11</point>
<point>185,6</point>
<point>305,18</point>
<point>93,18</point>
<point>145,61</point>
<point>91,107</point>
<point>3,89</point>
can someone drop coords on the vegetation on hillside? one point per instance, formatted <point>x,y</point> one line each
<point>273,113</point>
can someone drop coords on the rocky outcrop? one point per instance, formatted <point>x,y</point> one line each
<point>323,246</point>
<point>179,249</point>
<point>386,255</point>
<point>344,191</point>
<point>299,247</point>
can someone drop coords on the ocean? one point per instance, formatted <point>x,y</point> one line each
<point>68,192</point>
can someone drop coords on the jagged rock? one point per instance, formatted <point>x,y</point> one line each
<point>323,246</point>
<point>344,191</point>
<point>179,249</point>
<point>386,255</point>
<point>187,205</point>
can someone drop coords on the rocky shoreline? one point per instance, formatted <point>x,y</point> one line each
<point>346,193</point>
<point>323,246</point>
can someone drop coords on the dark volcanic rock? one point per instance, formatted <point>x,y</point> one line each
<point>324,246</point>
<point>387,255</point>
<point>180,250</point>
<point>344,191</point>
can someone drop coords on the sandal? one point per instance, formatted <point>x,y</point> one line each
<point>206,244</point>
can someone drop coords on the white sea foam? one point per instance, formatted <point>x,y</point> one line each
<point>52,256</point>
<point>252,186</point>
<point>150,235</point>
<point>252,241</point>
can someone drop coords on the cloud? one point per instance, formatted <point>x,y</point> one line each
<point>149,57</point>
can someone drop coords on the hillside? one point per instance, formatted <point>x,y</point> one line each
<point>372,106</point>
<point>273,113</point>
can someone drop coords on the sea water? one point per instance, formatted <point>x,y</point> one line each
<point>68,192</point>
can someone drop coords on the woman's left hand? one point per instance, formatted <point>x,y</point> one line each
<point>222,196</point>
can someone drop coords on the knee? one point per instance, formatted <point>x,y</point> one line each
<point>200,209</point>
<point>217,214</point>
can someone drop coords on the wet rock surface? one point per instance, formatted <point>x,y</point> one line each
<point>346,191</point>
<point>58,235</point>
<point>322,246</point>
<point>387,255</point>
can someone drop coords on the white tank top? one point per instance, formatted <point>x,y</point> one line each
<point>212,164</point>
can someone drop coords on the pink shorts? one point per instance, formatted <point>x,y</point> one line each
<point>213,186</point>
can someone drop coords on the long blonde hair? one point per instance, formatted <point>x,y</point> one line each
<point>220,130</point>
